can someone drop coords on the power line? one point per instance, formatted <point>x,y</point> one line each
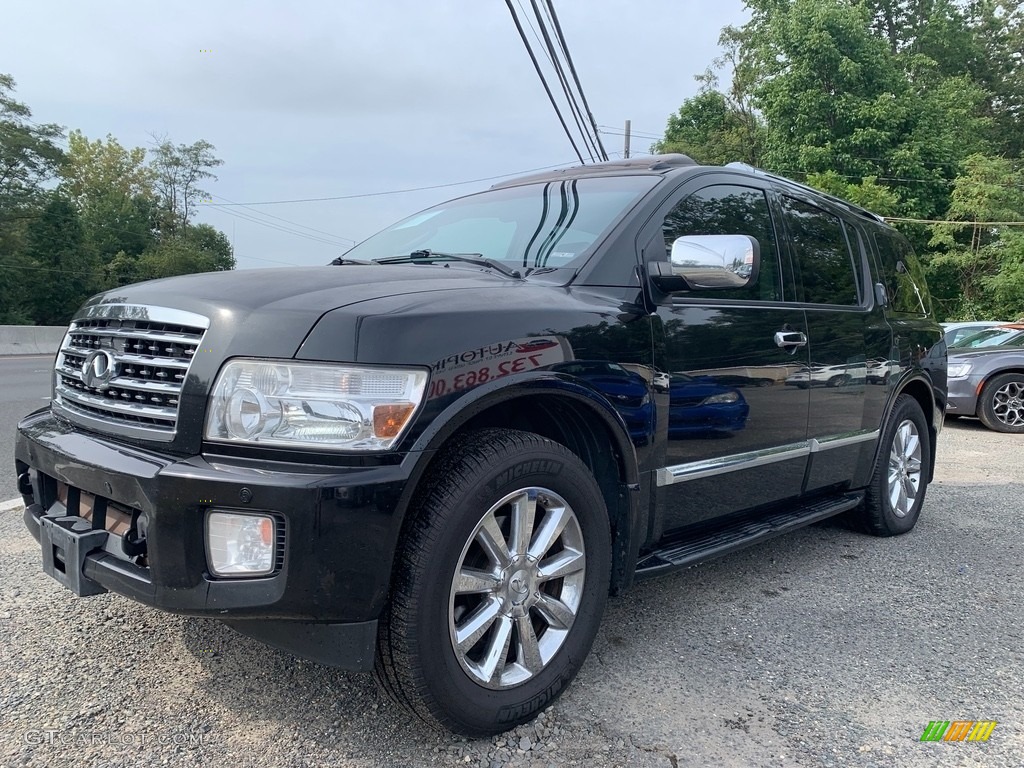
<point>570,98</point>
<point>278,227</point>
<point>271,261</point>
<point>957,223</point>
<point>634,134</point>
<point>397,191</point>
<point>534,30</point>
<point>644,134</point>
<point>287,221</point>
<point>544,82</point>
<point>575,76</point>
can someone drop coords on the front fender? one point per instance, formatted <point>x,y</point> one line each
<point>474,402</point>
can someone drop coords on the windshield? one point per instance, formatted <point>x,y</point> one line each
<point>550,224</point>
<point>993,337</point>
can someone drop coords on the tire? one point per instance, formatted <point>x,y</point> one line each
<point>1001,404</point>
<point>904,456</point>
<point>460,525</point>
<point>839,381</point>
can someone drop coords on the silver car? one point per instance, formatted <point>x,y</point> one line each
<point>988,382</point>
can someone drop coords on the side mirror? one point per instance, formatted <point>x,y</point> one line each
<point>708,262</point>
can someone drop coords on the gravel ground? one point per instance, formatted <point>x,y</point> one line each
<point>822,648</point>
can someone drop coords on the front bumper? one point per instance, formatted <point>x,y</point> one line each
<point>340,528</point>
<point>963,396</point>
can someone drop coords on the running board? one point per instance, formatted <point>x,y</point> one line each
<point>740,534</point>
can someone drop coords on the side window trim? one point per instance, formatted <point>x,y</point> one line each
<point>863,304</point>
<point>885,273</point>
<point>861,271</point>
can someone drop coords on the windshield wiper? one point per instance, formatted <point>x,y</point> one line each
<point>341,260</point>
<point>469,258</point>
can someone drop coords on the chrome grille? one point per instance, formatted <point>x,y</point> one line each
<point>121,367</point>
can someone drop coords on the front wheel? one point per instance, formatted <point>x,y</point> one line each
<point>499,584</point>
<point>1001,404</point>
<point>894,497</point>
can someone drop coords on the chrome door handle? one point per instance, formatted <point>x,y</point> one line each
<point>788,339</point>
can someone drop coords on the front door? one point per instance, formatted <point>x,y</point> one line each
<point>736,424</point>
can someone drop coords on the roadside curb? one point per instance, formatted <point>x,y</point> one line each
<point>7,506</point>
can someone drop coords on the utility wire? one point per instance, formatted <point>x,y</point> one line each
<point>278,227</point>
<point>544,82</point>
<point>570,97</point>
<point>399,191</point>
<point>634,134</point>
<point>575,77</point>
<point>534,30</point>
<point>286,221</point>
<point>957,223</point>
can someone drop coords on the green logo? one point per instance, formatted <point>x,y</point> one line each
<point>958,730</point>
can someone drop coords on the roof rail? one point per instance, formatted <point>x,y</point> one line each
<point>832,198</point>
<point>643,163</point>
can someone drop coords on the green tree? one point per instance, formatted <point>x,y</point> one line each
<point>868,193</point>
<point>979,269</point>
<point>179,171</point>
<point>58,273</point>
<point>112,189</point>
<point>999,26</point>
<point>711,131</point>
<point>199,248</point>
<point>29,156</point>
<point>830,92</point>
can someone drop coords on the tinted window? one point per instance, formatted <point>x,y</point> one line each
<point>903,275</point>
<point>730,210</point>
<point>822,254</point>
<point>534,225</point>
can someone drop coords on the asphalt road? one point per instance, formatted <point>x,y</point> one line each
<point>24,386</point>
<point>821,648</point>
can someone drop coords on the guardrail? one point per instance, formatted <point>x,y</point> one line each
<point>30,339</point>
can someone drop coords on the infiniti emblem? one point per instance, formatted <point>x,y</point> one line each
<point>98,369</point>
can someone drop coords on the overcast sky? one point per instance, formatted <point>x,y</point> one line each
<point>320,99</point>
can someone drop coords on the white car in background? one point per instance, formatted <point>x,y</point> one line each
<point>817,375</point>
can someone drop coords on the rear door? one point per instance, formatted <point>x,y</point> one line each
<point>830,261</point>
<point>736,431</point>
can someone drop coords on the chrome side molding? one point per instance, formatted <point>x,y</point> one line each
<point>696,470</point>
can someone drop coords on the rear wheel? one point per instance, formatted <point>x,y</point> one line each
<point>1001,404</point>
<point>894,497</point>
<point>499,585</point>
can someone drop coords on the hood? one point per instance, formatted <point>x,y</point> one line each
<point>971,354</point>
<point>268,312</point>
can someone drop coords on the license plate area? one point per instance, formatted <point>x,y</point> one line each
<point>100,512</point>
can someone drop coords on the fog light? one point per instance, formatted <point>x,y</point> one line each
<point>240,544</point>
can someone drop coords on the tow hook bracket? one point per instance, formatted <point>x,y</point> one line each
<point>66,541</point>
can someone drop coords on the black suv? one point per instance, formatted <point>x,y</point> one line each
<point>437,457</point>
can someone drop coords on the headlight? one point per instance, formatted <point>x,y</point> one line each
<point>336,407</point>
<point>722,399</point>
<point>958,370</point>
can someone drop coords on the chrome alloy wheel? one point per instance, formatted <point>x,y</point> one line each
<point>904,468</point>
<point>1008,404</point>
<point>517,588</point>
